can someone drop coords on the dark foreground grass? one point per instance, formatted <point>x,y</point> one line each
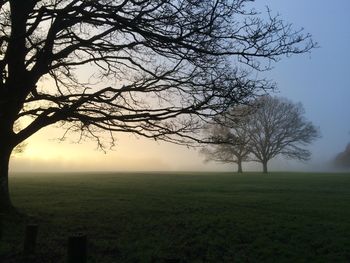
<point>192,217</point>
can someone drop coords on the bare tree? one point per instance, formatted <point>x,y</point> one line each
<point>157,68</point>
<point>278,127</point>
<point>227,139</point>
<point>342,160</point>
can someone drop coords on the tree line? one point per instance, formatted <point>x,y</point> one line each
<point>270,126</point>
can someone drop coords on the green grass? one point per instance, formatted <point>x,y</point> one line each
<point>194,217</point>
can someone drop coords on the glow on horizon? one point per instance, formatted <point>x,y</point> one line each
<point>44,152</point>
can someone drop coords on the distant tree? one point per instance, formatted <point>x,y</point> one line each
<point>227,140</point>
<point>157,67</point>
<point>342,160</point>
<point>278,127</point>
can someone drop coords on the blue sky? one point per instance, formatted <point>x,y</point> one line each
<point>319,80</point>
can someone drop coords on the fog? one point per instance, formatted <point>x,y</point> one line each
<point>45,154</point>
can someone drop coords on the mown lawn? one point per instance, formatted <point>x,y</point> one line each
<point>190,217</point>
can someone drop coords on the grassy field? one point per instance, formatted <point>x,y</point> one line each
<point>192,217</point>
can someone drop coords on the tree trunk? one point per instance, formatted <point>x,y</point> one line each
<point>264,163</point>
<point>239,163</point>
<point>5,200</point>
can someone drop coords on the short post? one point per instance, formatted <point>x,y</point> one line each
<point>77,249</point>
<point>31,234</point>
<point>1,225</point>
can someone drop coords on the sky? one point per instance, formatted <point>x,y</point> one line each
<point>318,80</point>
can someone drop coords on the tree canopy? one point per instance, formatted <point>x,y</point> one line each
<point>172,52</point>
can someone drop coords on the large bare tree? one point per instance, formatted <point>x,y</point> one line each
<point>157,67</point>
<point>278,127</point>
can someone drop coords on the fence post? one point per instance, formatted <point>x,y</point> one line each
<point>31,234</point>
<point>1,225</point>
<point>77,249</point>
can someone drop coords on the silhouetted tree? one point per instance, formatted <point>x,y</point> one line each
<point>156,67</point>
<point>278,127</point>
<point>227,139</point>
<point>342,160</point>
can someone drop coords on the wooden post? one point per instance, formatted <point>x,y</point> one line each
<point>77,249</point>
<point>31,234</point>
<point>1,225</point>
